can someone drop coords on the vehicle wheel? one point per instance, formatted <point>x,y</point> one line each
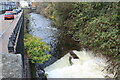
<point>4,18</point>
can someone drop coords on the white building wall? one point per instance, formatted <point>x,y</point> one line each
<point>0,6</point>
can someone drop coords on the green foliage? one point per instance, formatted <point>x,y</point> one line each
<point>102,34</point>
<point>58,12</point>
<point>36,49</point>
<point>95,24</point>
<point>26,20</point>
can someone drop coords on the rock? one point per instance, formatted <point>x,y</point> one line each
<point>70,60</point>
<point>40,72</point>
<point>74,55</point>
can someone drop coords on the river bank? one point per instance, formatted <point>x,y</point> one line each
<point>34,50</point>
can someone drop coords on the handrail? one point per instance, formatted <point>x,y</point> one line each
<point>13,38</point>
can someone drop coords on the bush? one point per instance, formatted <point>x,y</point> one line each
<point>36,49</point>
<point>102,34</point>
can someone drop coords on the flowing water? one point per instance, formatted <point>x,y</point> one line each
<point>60,44</point>
<point>87,66</point>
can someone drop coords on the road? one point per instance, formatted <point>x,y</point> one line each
<point>6,29</point>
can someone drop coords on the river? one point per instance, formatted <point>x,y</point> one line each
<point>86,66</point>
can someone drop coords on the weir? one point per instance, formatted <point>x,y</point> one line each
<point>87,66</point>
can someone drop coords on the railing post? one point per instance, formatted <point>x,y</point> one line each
<point>10,47</point>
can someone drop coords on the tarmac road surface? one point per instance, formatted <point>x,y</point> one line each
<point>6,29</point>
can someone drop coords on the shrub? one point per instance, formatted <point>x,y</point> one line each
<point>36,49</point>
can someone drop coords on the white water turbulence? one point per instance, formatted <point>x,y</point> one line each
<point>87,66</point>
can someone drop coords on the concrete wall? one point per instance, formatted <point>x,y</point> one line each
<point>11,66</point>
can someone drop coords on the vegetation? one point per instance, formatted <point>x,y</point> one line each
<point>96,25</point>
<point>26,19</point>
<point>34,47</point>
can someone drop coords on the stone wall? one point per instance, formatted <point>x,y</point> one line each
<point>11,66</point>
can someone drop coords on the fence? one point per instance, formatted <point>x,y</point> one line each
<point>16,42</point>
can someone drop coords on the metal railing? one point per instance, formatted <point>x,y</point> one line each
<point>16,43</point>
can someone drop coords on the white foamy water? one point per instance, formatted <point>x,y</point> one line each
<point>87,66</point>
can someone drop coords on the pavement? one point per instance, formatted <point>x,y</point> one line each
<point>6,29</point>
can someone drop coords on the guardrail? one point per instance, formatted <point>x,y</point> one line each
<point>16,43</point>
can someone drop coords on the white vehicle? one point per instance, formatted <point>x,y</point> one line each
<point>15,11</point>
